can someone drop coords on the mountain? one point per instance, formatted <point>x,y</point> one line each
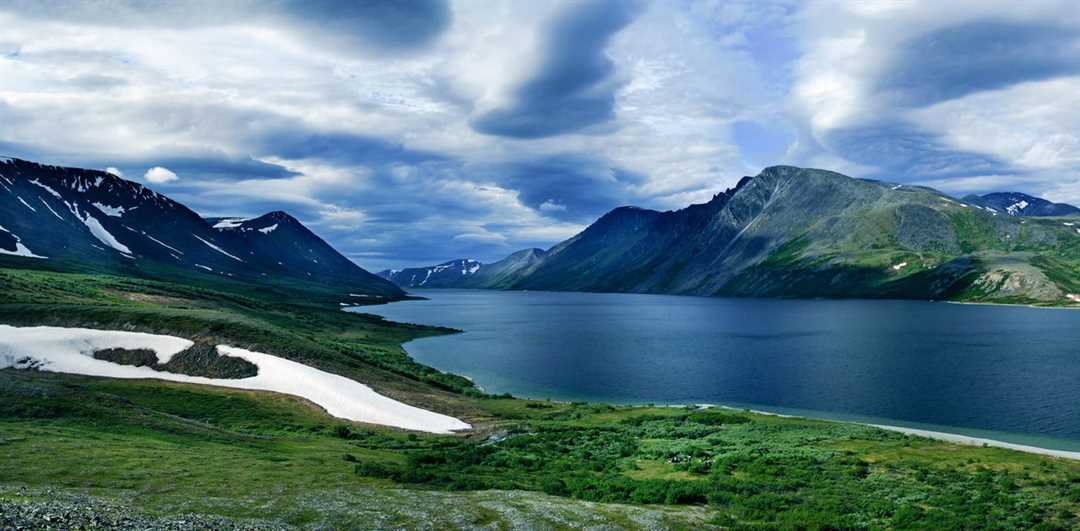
<point>454,273</point>
<point>466,273</point>
<point>795,232</point>
<point>88,220</point>
<point>1018,204</point>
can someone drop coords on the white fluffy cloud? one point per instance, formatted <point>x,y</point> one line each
<point>159,175</point>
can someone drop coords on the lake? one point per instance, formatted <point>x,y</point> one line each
<point>1009,373</point>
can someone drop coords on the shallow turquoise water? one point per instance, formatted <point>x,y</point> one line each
<point>1007,373</point>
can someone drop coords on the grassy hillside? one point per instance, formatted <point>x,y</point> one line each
<point>149,453</point>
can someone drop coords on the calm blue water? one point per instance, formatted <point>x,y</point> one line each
<point>1002,372</point>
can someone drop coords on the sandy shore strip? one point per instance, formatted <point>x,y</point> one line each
<point>928,434</point>
<point>979,441</point>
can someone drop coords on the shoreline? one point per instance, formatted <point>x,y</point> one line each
<point>956,438</point>
<point>979,441</point>
<point>1050,306</point>
<point>1014,305</point>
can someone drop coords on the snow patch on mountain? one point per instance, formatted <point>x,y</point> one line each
<point>20,249</point>
<point>47,189</point>
<point>98,230</point>
<point>229,223</point>
<point>25,204</point>
<point>161,243</point>
<point>110,211</point>
<point>1015,208</point>
<point>218,249</point>
<point>58,216</point>
<point>268,230</point>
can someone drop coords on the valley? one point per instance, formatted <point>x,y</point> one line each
<point>146,452</point>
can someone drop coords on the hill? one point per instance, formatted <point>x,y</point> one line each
<point>82,220</point>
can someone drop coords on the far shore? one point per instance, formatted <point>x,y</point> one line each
<point>1073,306</point>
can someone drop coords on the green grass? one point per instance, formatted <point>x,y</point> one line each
<point>169,448</point>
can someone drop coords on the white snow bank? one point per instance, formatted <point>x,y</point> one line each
<point>53,345</point>
<point>27,205</point>
<point>70,350</point>
<point>268,230</point>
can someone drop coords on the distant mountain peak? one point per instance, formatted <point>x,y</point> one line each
<point>1021,204</point>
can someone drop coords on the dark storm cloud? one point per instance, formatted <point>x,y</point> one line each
<point>296,143</point>
<point>387,24</point>
<point>568,187</point>
<point>575,86</point>
<point>974,56</point>
<point>383,25</point>
<point>904,150</point>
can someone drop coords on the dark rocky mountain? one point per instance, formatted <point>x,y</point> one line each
<point>88,220</point>
<point>1018,204</point>
<point>794,232</point>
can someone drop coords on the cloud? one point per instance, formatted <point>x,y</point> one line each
<point>159,175</point>
<point>978,55</point>
<point>395,25</point>
<point>408,133</point>
<point>385,25</point>
<point>950,95</point>
<point>574,187</point>
<point>552,206</point>
<point>575,86</point>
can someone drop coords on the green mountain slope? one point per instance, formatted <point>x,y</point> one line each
<point>795,232</point>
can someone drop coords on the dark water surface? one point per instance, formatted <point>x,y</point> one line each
<point>1009,373</point>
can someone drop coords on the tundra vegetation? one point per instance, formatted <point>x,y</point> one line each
<point>165,450</point>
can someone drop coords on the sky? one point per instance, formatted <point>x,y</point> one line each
<point>410,132</point>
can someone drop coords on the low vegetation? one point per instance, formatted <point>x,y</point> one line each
<point>167,449</point>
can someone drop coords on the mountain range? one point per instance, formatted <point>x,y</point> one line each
<point>796,232</point>
<point>92,221</point>
<point>1018,204</point>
